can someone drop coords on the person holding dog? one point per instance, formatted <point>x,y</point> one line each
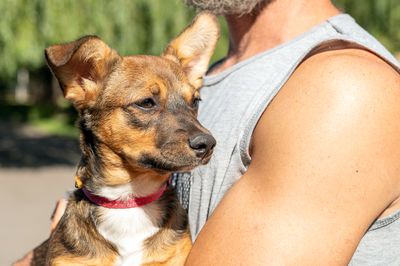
<point>306,168</point>
<point>305,112</point>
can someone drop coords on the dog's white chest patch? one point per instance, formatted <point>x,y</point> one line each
<point>128,228</point>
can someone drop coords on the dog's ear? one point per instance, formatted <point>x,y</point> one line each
<point>193,48</point>
<point>81,67</point>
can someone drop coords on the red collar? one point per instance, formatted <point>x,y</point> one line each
<point>124,204</point>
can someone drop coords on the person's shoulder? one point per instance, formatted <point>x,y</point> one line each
<point>335,87</point>
<point>348,88</point>
<point>353,60</point>
<point>348,71</point>
<point>342,78</point>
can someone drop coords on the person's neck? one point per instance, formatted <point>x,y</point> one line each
<point>275,24</point>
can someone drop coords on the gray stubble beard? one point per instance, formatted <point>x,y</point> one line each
<point>228,7</point>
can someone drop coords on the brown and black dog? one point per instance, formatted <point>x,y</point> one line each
<point>138,124</point>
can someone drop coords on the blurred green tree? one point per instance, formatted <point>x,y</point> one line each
<point>134,27</point>
<point>28,93</point>
<point>131,27</point>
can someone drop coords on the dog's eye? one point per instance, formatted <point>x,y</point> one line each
<point>195,102</point>
<point>146,103</point>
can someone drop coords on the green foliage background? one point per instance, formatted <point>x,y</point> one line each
<point>134,26</point>
<point>130,27</point>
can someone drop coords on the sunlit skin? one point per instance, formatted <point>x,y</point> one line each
<point>324,153</point>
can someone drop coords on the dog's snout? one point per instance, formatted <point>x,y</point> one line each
<point>202,144</point>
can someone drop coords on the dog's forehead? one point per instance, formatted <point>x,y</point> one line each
<point>146,74</point>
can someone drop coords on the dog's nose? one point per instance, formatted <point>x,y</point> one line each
<point>202,144</point>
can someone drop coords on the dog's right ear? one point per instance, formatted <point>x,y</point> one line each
<point>81,67</point>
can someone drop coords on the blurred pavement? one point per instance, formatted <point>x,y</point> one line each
<point>35,171</point>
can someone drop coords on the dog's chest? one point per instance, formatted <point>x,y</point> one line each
<point>127,229</point>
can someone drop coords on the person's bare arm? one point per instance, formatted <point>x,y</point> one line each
<point>325,164</point>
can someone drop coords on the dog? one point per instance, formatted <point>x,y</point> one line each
<point>137,125</point>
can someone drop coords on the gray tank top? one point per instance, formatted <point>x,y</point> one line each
<point>234,100</point>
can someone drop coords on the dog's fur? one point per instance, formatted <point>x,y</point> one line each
<point>138,124</point>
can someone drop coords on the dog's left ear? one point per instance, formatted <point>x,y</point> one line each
<point>193,48</point>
